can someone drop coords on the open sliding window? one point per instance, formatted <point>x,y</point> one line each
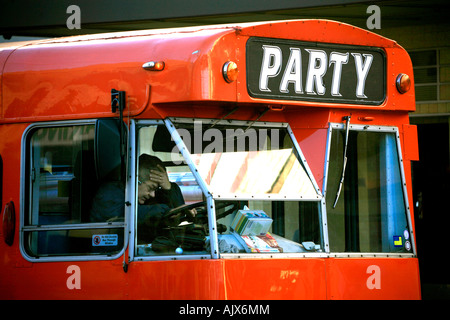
<point>66,189</point>
<point>249,186</point>
<point>368,211</point>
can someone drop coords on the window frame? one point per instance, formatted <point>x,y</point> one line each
<point>25,185</point>
<point>379,129</point>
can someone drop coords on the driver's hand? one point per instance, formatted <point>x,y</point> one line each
<point>192,213</point>
<point>160,177</point>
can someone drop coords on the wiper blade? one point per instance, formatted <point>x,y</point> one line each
<point>347,131</point>
<point>259,117</point>
<point>228,114</point>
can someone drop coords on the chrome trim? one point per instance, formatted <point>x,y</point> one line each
<point>173,257</point>
<point>130,191</point>
<point>74,226</point>
<point>322,255</point>
<point>202,184</point>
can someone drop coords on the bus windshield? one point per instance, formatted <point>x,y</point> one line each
<point>263,199</point>
<point>239,163</point>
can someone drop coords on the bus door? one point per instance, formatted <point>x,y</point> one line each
<point>369,225</point>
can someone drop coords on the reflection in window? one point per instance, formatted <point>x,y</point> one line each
<point>231,173</point>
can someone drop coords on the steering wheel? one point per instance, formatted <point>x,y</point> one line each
<point>201,212</point>
<point>177,210</point>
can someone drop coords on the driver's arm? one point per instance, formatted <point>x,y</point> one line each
<point>172,197</point>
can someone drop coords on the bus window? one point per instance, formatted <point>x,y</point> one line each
<point>61,183</point>
<point>165,184</point>
<point>256,173</point>
<point>370,214</point>
<point>287,227</point>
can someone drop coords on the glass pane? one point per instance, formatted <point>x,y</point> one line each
<point>444,74</point>
<point>165,182</point>
<point>426,93</point>
<point>231,160</point>
<point>427,75</point>
<point>62,175</point>
<point>64,191</point>
<point>231,165</point>
<point>269,227</point>
<point>444,56</point>
<point>370,215</point>
<point>423,58</point>
<point>249,163</point>
<point>444,92</point>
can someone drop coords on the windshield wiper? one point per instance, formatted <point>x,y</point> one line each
<point>259,117</point>
<point>228,114</point>
<point>347,130</point>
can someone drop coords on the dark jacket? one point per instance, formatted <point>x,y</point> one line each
<point>109,204</point>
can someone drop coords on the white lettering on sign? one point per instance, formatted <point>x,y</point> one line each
<point>362,69</point>
<point>374,280</point>
<point>318,64</point>
<point>293,72</point>
<point>271,66</point>
<point>338,59</point>
<point>317,68</point>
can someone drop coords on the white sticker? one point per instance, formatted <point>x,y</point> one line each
<point>408,245</point>
<point>99,240</point>
<point>406,234</point>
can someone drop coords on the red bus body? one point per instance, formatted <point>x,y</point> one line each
<point>70,79</point>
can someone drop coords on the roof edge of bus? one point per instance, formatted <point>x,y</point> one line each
<point>132,34</point>
<point>370,38</point>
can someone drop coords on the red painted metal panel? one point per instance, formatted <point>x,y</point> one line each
<point>373,278</point>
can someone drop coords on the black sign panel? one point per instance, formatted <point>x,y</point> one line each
<point>309,71</point>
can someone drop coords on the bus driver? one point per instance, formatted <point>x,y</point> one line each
<point>156,196</point>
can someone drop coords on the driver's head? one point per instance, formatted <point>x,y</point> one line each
<point>146,187</point>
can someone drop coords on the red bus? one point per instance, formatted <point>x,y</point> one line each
<point>283,165</point>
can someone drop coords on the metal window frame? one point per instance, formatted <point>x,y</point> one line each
<point>383,129</point>
<point>25,185</point>
<point>212,223</point>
